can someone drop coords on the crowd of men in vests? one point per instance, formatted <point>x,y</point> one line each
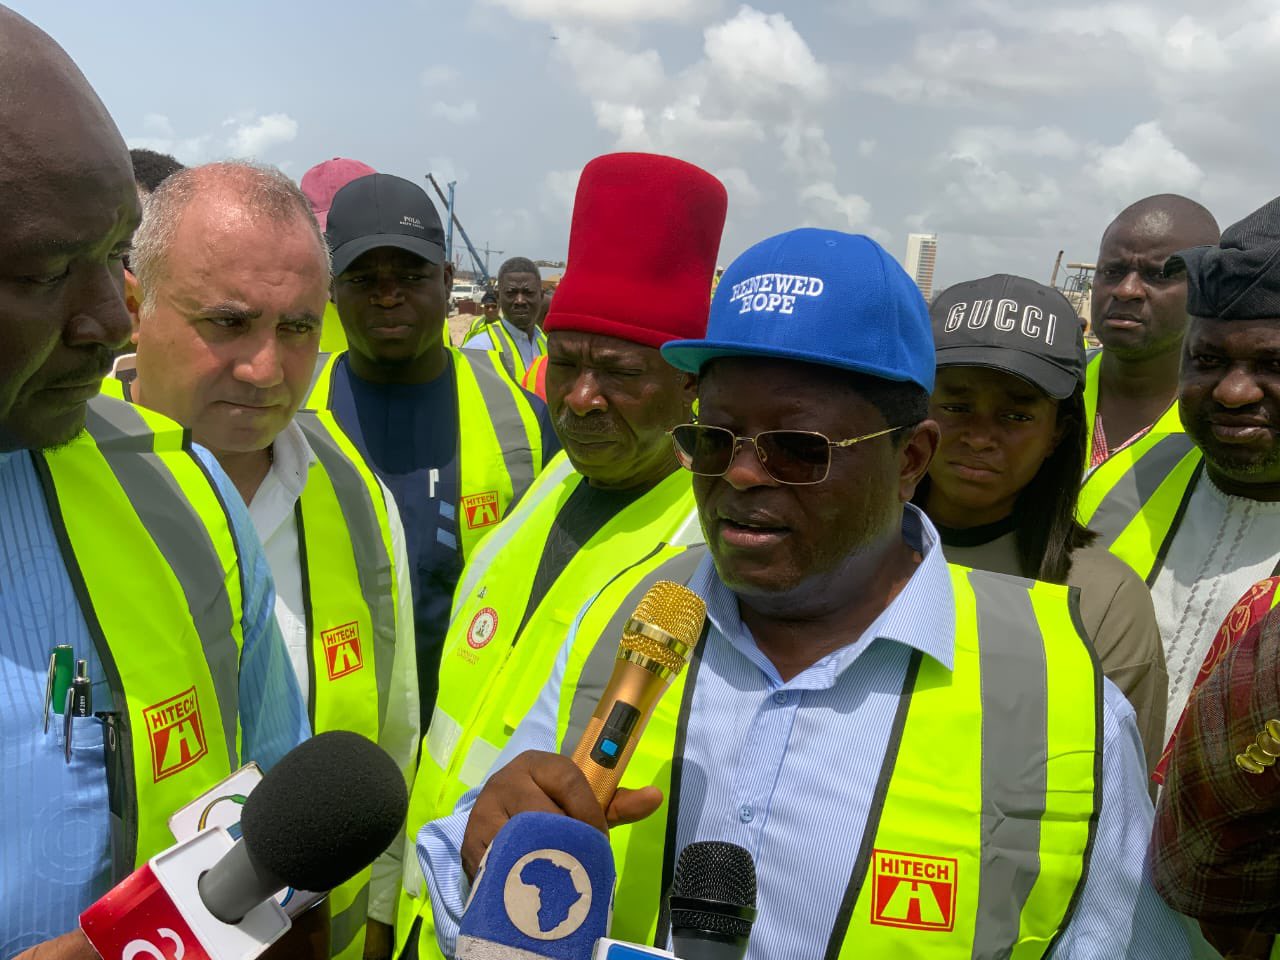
<point>974,595</point>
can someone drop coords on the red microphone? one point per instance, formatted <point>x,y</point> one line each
<point>321,815</point>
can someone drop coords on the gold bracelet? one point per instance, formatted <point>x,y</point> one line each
<point>1262,753</point>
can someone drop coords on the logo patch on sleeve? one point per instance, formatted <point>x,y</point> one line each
<point>913,891</point>
<point>342,653</point>
<point>481,509</point>
<point>176,731</point>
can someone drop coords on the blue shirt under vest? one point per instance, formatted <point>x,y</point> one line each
<point>409,433</point>
<point>759,771</point>
<point>55,834</point>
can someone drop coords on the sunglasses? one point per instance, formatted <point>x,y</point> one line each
<point>793,457</point>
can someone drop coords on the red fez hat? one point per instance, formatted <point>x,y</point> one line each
<point>642,250</point>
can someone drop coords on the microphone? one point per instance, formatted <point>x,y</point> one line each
<point>656,644</point>
<point>322,814</point>
<point>544,890</point>
<point>713,901</point>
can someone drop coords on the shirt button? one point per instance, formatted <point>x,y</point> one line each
<point>780,698</point>
<point>745,813</point>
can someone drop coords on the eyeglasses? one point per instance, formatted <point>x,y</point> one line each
<point>794,457</point>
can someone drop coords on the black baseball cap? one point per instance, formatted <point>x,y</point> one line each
<point>380,210</point>
<point>1012,324</point>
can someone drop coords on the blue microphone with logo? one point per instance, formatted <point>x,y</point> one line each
<point>544,890</point>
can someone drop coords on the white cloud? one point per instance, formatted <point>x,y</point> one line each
<point>607,11</point>
<point>866,147</point>
<point>983,143</point>
<point>558,190</point>
<point>463,112</point>
<point>1145,162</point>
<point>605,71</point>
<point>742,192</point>
<point>805,150</point>
<point>160,136</point>
<point>831,208</point>
<point>256,137</point>
<point>762,56</point>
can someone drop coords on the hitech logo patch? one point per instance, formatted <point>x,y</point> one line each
<point>176,731</point>
<point>908,890</point>
<point>481,509</point>
<point>342,654</point>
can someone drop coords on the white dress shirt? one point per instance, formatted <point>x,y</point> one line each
<point>272,512</point>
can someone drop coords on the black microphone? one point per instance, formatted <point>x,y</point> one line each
<point>712,901</point>
<point>326,811</point>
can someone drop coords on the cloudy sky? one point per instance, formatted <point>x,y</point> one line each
<point>1011,129</point>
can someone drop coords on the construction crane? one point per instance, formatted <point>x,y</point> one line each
<point>482,267</point>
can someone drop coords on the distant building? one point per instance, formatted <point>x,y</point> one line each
<point>922,255</point>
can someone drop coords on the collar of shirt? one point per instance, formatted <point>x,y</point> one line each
<point>273,502</point>
<point>921,616</point>
<point>516,333</point>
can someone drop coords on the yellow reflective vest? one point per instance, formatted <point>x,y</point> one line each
<point>495,662</point>
<point>349,589</point>
<point>504,345</point>
<point>1135,499</point>
<point>1019,660</point>
<point>130,505</point>
<point>499,439</point>
<point>1170,421</point>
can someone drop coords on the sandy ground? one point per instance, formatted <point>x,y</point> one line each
<point>458,325</point>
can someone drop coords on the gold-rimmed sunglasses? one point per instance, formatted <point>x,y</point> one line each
<point>794,457</point>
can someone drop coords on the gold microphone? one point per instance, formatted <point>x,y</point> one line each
<point>656,644</point>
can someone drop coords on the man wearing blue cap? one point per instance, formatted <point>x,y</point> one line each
<point>922,760</point>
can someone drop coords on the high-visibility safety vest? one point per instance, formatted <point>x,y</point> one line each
<point>535,378</point>
<point>1004,827</point>
<point>504,345</point>
<point>1135,499</point>
<point>494,666</point>
<point>499,438</point>
<point>1170,421</point>
<point>132,506</point>
<point>349,584</point>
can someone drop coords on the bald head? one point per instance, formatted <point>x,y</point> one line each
<point>67,209</point>
<point>1138,313</point>
<point>48,108</point>
<point>231,196</point>
<point>1168,215</point>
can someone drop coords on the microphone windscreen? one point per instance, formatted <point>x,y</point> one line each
<point>714,889</point>
<point>325,811</point>
<point>545,889</point>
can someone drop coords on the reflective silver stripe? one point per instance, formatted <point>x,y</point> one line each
<point>442,737</point>
<point>496,389</point>
<point>344,926</point>
<point>322,360</point>
<point>368,545</point>
<point>1136,487</point>
<point>599,663</point>
<point>1015,756</point>
<point>127,444</point>
<point>479,761</point>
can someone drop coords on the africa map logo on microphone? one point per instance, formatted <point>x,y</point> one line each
<point>547,894</point>
<point>176,731</point>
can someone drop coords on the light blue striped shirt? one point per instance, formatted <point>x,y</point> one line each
<point>759,771</point>
<point>55,854</point>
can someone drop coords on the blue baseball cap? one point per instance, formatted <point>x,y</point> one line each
<point>819,296</point>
